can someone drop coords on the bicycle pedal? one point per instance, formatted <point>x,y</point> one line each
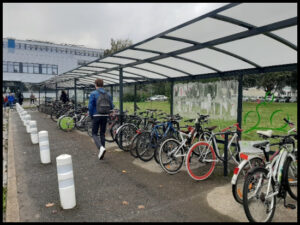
<point>290,206</point>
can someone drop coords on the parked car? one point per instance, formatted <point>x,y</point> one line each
<point>293,99</point>
<point>246,99</point>
<point>282,100</point>
<point>158,98</point>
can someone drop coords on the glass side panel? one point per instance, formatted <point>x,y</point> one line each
<point>215,59</point>
<point>206,30</point>
<point>260,14</point>
<point>262,50</point>
<point>106,65</point>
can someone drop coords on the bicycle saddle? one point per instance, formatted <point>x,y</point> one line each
<point>211,128</point>
<point>267,133</point>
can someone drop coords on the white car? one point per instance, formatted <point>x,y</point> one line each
<point>158,98</point>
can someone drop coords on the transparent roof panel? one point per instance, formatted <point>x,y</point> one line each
<point>260,14</point>
<point>143,73</point>
<point>117,60</point>
<point>163,45</point>
<point>83,71</point>
<point>206,30</point>
<point>136,54</point>
<point>290,34</point>
<point>262,50</point>
<point>189,67</point>
<point>215,59</point>
<point>94,68</point>
<point>106,65</point>
<point>162,70</point>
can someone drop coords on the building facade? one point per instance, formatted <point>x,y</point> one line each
<point>30,61</point>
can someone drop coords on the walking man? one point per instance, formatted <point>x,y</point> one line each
<point>32,98</point>
<point>100,104</point>
<point>11,100</point>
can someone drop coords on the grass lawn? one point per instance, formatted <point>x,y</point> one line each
<point>279,111</point>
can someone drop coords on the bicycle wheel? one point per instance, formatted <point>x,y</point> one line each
<point>67,123</point>
<point>125,135</point>
<point>113,131</point>
<point>133,145</point>
<point>108,136</point>
<point>258,207</point>
<point>170,158</point>
<point>157,149</point>
<point>237,188</point>
<point>200,161</point>
<point>145,148</point>
<point>290,174</point>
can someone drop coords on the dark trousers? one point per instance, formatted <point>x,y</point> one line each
<point>99,122</point>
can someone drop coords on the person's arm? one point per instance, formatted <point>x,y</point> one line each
<point>91,105</point>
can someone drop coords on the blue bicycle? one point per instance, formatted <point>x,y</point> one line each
<point>148,142</point>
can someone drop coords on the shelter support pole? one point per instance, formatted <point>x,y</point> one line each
<point>56,91</point>
<point>75,93</point>
<point>121,93</point>
<point>240,102</point>
<point>171,98</point>
<point>112,91</point>
<point>39,95</point>
<point>45,94</point>
<point>83,96</point>
<point>135,106</point>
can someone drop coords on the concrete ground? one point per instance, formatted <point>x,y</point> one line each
<point>116,189</point>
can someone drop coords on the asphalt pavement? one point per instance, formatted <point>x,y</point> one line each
<point>116,189</point>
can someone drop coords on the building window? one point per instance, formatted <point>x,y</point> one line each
<point>10,67</point>
<point>30,67</point>
<point>25,67</point>
<point>5,66</point>
<point>16,67</point>
<point>54,69</point>
<point>44,69</point>
<point>49,69</point>
<point>36,68</point>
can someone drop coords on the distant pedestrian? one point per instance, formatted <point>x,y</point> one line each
<point>64,97</point>
<point>100,104</point>
<point>20,98</point>
<point>32,98</point>
<point>6,101</point>
<point>11,100</point>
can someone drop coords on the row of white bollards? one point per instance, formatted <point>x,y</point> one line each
<point>63,162</point>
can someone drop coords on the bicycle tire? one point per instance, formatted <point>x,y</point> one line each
<point>290,183</point>
<point>199,149</point>
<point>125,135</point>
<point>144,146</point>
<point>167,146</point>
<point>237,188</point>
<point>133,145</point>
<point>248,187</point>
<point>108,136</point>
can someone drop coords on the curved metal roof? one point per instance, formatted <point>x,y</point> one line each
<point>237,36</point>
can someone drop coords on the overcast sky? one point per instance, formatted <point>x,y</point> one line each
<point>93,24</point>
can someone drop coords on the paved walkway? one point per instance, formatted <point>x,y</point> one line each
<point>117,189</point>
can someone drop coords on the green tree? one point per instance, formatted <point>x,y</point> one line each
<point>117,45</point>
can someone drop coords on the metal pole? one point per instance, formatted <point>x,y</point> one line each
<point>39,95</point>
<point>112,91</point>
<point>121,94</point>
<point>171,98</point>
<point>225,155</point>
<point>240,103</point>
<point>45,94</point>
<point>84,96</point>
<point>135,106</point>
<point>56,97</point>
<point>75,93</point>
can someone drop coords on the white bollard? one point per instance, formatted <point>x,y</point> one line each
<point>33,132</point>
<point>26,119</point>
<point>44,147</point>
<point>23,115</point>
<point>66,181</point>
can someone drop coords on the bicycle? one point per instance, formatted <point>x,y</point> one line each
<point>264,184</point>
<point>252,157</point>
<point>173,151</point>
<point>202,157</point>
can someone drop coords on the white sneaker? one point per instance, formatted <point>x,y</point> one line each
<point>101,152</point>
